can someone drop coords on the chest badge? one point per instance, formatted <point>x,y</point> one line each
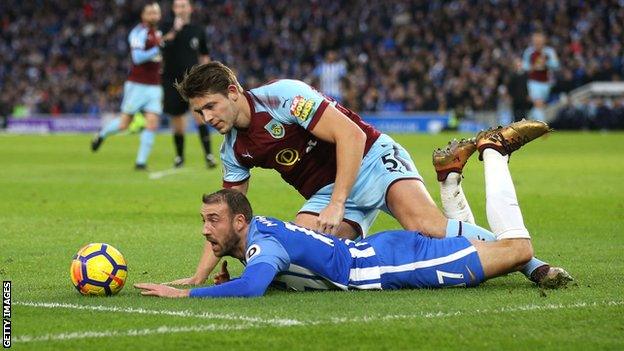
<point>276,129</point>
<point>287,157</point>
<point>194,43</point>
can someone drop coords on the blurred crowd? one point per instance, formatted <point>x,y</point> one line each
<point>591,114</point>
<point>69,56</point>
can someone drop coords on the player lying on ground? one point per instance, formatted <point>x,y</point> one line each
<point>301,258</point>
<point>347,169</point>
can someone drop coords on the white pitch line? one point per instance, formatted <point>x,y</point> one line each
<point>440,314</point>
<point>166,172</point>
<point>183,313</point>
<point>131,333</point>
<point>253,322</point>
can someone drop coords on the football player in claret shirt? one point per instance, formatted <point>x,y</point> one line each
<point>539,61</point>
<point>346,169</point>
<point>301,259</point>
<point>142,90</point>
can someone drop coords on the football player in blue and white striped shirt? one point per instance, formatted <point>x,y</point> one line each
<point>303,259</point>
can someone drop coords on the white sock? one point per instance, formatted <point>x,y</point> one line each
<point>454,201</point>
<point>503,211</point>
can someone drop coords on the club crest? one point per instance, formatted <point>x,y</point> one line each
<point>276,129</point>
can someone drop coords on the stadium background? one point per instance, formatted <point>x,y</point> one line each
<point>72,57</point>
<point>67,60</point>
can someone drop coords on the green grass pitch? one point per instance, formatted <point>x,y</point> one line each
<point>55,196</point>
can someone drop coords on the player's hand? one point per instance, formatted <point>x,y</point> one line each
<point>329,218</point>
<point>161,290</point>
<point>185,281</point>
<point>178,23</point>
<point>223,276</point>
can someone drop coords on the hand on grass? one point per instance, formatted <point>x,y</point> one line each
<point>223,276</point>
<point>161,290</point>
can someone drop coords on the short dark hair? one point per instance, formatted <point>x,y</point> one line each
<point>147,3</point>
<point>210,78</point>
<point>237,202</point>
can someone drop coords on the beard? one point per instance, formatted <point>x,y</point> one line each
<point>228,245</point>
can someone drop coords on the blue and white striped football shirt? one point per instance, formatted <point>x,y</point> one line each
<point>308,260</point>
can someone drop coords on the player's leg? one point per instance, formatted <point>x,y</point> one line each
<point>538,92</point>
<point>175,107</point>
<point>449,163</point>
<point>203,131</point>
<point>346,230</point>
<point>503,256</point>
<point>178,126</point>
<point>407,199</point>
<point>503,211</point>
<point>416,261</point>
<point>148,135</point>
<point>353,222</point>
<point>130,104</point>
<point>114,126</point>
<point>153,109</point>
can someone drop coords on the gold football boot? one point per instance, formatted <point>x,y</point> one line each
<point>510,138</point>
<point>453,157</point>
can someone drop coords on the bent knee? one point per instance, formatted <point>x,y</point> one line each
<point>433,225</point>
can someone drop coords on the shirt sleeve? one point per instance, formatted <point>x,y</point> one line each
<point>233,172</point>
<point>526,60</point>
<point>553,60</point>
<point>137,39</point>
<point>267,250</point>
<point>203,43</point>
<point>300,103</point>
<point>252,283</point>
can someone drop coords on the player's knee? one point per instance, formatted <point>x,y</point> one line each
<point>433,225</point>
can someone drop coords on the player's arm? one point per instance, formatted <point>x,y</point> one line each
<point>204,52</point>
<point>204,59</point>
<point>137,48</point>
<point>553,60</point>
<point>206,265</point>
<point>252,283</point>
<point>526,60</point>
<point>140,56</point>
<point>334,127</point>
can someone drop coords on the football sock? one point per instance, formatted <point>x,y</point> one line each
<point>530,267</point>
<point>178,141</point>
<point>537,113</point>
<point>468,230</point>
<point>502,209</point>
<point>110,128</point>
<point>147,141</point>
<point>204,137</point>
<point>454,201</point>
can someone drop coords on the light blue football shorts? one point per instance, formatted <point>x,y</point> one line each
<point>538,90</point>
<point>141,97</point>
<point>385,163</point>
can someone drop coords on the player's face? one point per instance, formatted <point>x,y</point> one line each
<point>216,110</point>
<point>181,8</point>
<point>218,228</point>
<point>151,14</point>
<point>539,41</point>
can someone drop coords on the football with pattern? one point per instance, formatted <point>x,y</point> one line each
<point>98,269</point>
